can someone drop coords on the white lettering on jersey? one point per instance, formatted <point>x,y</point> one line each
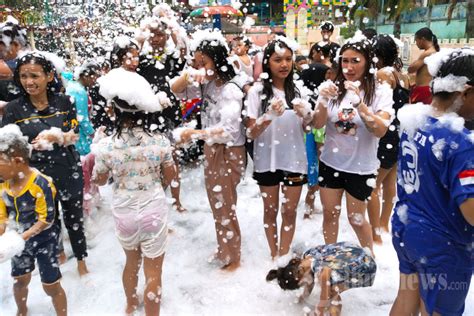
<point>410,179</point>
<point>420,138</point>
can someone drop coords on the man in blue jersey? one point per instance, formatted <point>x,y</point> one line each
<point>432,225</point>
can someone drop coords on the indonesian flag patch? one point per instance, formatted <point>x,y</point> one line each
<point>466,177</point>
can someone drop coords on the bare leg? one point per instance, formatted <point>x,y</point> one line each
<point>58,296</point>
<point>288,214</point>
<point>176,186</point>
<point>407,302</point>
<point>373,205</point>
<point>223,169</point>
<point>152,296</point>
<point>356,214</point>
<point>309,201</point>
<point>82,267</point>
<point>389,192</point>
<point>331,200</point>
<point>130,278</point>
<point>271,202</point>
<point>20,291</point>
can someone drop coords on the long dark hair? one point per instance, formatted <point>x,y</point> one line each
<point>36,59</point>
<point>428,35</point>
<point>386,50</point>
<point>325,50</point>
<point>368,79</point>
<point>219,54</point>
<point>119,52</point>
<point>291,91</point>
<point>128,120</point>
<point>287,276</point>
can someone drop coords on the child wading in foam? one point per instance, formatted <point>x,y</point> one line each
<point>356,112</point>
<point>136,157</point>
<point>28,196</point>
<point>338,267</point>
<point>278,112</point>
<point>224,151</point>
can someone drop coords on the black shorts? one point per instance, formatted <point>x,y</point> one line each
<point>290,179</point>
<point>387,158</point>
<point>44,248</point>
<point>355,184</point>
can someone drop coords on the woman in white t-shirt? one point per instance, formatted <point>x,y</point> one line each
<point>225,157</point>
<point>356,112</point>
<point>277,115</point>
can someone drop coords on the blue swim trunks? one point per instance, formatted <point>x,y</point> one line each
<point>44,248</point>
<point>443,283</point>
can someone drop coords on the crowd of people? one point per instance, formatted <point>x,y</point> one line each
<point>345,120</point>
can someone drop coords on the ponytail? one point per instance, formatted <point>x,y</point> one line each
<point>435,43</point>
<point>427,34</point>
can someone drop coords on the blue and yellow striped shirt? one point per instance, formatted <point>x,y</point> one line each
<point>34,203</point>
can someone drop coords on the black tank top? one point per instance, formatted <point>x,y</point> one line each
<point>390,141</point>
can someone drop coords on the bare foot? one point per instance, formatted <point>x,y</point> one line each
<point>132,306</point>
<point>179,207</point>
<point>376,236</point>
<point>231,267</point>
<point>385,228</point>
<point>82,267</point>
<point>62,257</point>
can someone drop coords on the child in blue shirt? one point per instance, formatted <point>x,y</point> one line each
<point>432,225</point>
<point>28,196</point>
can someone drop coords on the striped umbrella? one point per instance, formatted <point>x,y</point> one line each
<point>224,10</point>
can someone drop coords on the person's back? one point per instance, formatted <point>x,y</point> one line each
<point>135,156</point>
<point>427,190</point>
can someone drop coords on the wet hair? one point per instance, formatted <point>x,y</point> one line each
<point>127,117</point>
<point>119,52</point>
<point>291,91</point>
<point>287,276</point>
<point>386,50</point>
<point>218,53</point>
<point>428,35</point>
<point>36,59</point>
<point>300,58</point>
<point>16,147</point>
<point>327,26</point>
<point>457,65</point>
<point>369,33</point>
<point>368,79</point>
<point>325,50</point>
<point>89,69</point>
<point>245,40</point>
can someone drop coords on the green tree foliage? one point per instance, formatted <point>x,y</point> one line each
<point>23,4</point>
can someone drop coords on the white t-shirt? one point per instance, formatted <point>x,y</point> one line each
<point>348,145</point>
<point>247,69</point>
<point>221,108</point>
<point>281,145</point>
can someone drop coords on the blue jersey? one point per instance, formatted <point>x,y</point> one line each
<point>435,176</point>
<point>34,203</point>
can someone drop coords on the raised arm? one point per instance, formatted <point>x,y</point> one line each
<point>418,63</point>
